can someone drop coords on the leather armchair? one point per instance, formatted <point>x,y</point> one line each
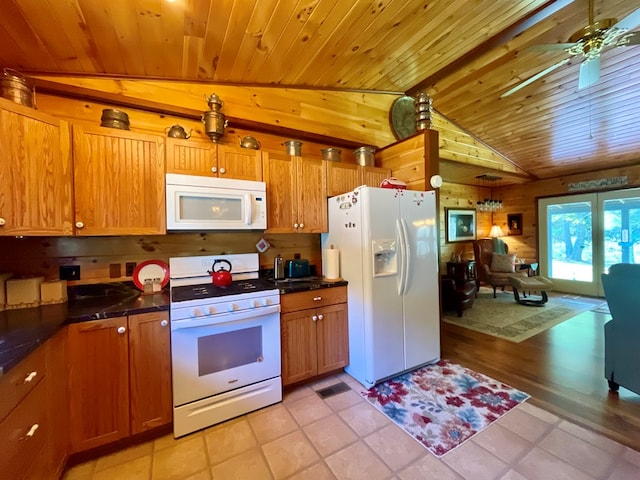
<point>458,296</point>
<point>483,251</point>
<point>622,332</point>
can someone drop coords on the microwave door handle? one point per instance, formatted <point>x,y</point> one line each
<point>248,211</point>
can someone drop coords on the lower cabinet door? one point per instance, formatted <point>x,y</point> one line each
<point>98,382</point>
<point>150,371</point>
<point>332,338</point>
<point>298,343</point>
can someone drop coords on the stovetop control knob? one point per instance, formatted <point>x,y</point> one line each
<point>197,312</point>
<point>212,310</point>
<point>232,307</point>
<point>257,304</point>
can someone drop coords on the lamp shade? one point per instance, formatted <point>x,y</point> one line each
<point>495,232</point>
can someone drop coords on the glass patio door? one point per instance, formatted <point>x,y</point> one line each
<point>581,236</point>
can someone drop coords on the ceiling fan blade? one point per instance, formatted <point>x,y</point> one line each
<point>535,77</point>
<point>589,72</point>
<point>629,39</point>
<point>629,22</point>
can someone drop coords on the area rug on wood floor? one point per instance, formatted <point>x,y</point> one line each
<point>443,405</point>
<point>503,317</point>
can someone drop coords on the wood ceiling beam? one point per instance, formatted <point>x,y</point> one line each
<point>536,16</point>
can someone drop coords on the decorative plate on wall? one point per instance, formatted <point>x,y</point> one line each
<point>402,117</point>
<point>151,269</point>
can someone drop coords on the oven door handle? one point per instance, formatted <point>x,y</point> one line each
<point>224,318</point>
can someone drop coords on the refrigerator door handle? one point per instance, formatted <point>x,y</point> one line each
<point>406,255</point>
<point>402,254</point>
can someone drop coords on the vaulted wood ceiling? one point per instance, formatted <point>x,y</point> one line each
<point>465,54</point>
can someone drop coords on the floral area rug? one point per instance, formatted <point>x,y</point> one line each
<point>443,405</point>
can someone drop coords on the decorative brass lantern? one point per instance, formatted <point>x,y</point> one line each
<point>214,121</point>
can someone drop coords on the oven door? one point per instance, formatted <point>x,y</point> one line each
<point>218,353</point>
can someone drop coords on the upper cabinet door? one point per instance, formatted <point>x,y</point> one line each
<point>240,163</point>
<point>342,178</point>
<point>35,173</point>
<point>119,182</point>
<point>312,195</point>
<point>279,172</point>
<point>192,157</point>
<point>195,157</point>
<point>373,176</point>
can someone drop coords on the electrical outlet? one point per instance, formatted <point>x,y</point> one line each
<point>129,268</point>
<point>69,272</point>
<point>115,270</point>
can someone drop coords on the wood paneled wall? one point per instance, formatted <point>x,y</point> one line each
<point>100,257</point>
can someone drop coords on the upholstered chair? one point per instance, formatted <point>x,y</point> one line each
<point>622,332</point>
<point>494,268</point>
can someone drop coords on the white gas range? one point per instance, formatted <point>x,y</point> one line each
<point>225,342</point>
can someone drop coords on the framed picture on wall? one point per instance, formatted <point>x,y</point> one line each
<point>514,223</point>
<point>460,224</point>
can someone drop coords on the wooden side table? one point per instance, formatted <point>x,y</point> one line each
<point>463,271</point>
<point>530,267</point>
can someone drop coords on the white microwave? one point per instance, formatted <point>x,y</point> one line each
<point>209,203</point>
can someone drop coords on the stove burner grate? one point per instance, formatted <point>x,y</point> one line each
<point>208,290</point>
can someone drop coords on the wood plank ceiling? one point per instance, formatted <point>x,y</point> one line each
<point>465,54</point>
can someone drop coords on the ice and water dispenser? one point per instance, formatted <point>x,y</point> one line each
<point>385,257</point>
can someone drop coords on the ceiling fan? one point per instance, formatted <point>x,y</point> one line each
<point>589,42</point>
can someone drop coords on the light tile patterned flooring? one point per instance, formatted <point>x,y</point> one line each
<point>343,437</point>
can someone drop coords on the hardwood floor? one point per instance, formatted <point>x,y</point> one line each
<point>562,369</point>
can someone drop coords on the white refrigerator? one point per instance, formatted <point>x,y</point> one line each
<point>388,252</point>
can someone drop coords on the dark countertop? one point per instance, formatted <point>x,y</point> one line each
<point>23,330</point>
<point>293,285</point>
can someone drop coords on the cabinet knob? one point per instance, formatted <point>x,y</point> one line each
<point>214,169</point>
<point>295,225</point>
<point>222,170</point>
<point>317,299</point>
<point>164,323</point>
<point>320,317</point>
<point>2,222</point>
<point>79,224</point>
<point>31,432</point>
<point>302,225</point>
<point>121,330</point>
<point>314,318</point>
<point>30,377</point>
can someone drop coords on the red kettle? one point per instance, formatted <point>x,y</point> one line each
<point>221,277</point>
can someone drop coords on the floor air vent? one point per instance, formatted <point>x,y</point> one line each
<point>332,390</point>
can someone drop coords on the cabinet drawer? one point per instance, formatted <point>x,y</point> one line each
<point>20,450</point>
<point>292,302</point>
<point>20,380</point>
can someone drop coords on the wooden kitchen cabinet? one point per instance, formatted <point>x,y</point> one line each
<point>150,371</point>
<point>35,173</point>
<point>34,414</point>
<point>193,157</point>
<point>119,182</point>
<point>314,333</point>
<point>344,177</point>
<point>120,378</point>
<point>296,194</point>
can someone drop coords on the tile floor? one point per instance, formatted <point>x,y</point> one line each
<point>343,437</point>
